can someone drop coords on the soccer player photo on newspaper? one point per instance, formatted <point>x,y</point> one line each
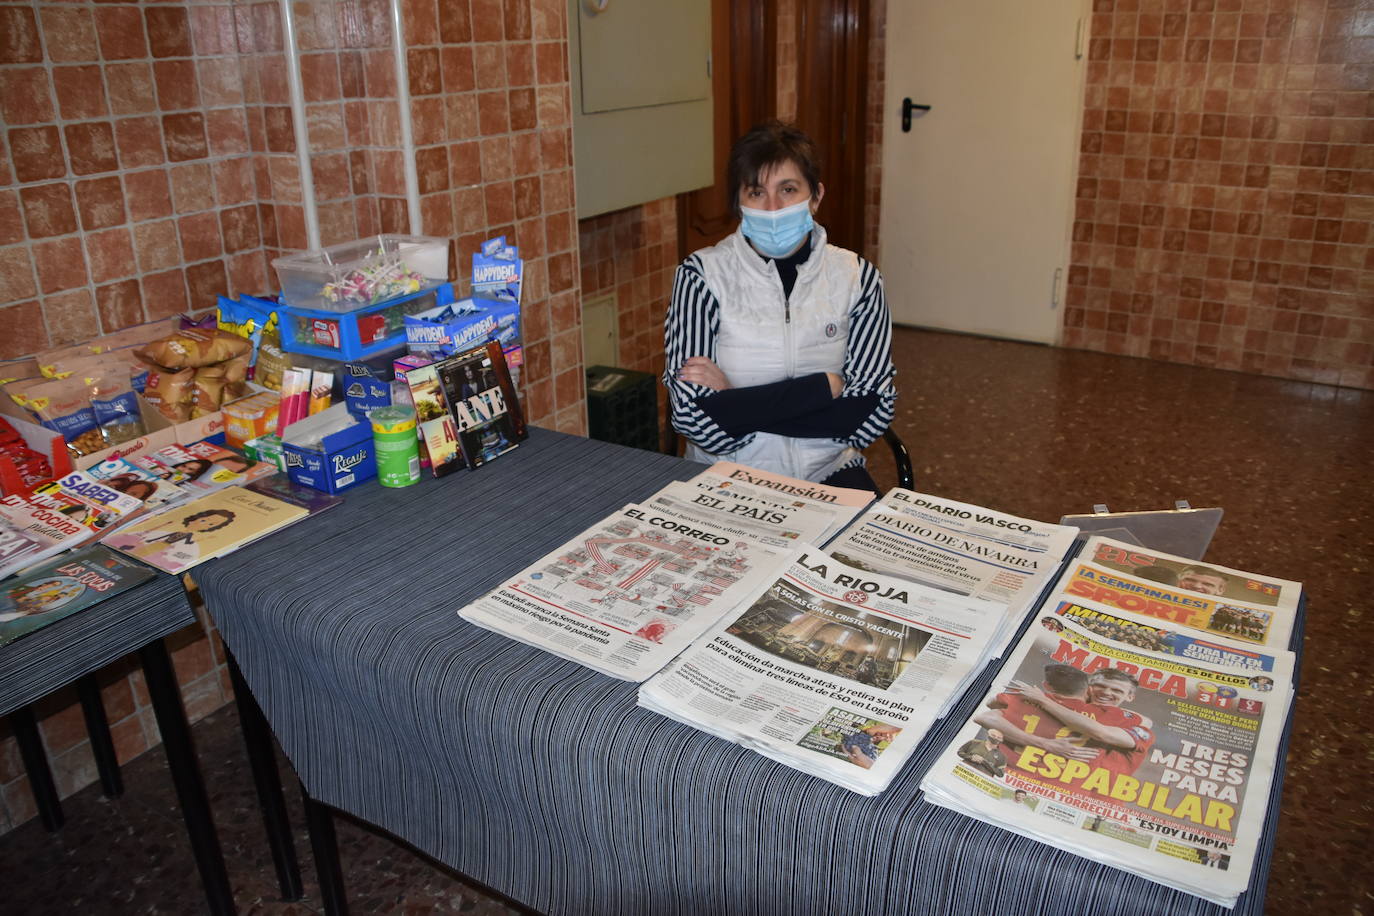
<point>1149,753</point>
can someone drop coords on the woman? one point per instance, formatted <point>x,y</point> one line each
<point>779,345</point>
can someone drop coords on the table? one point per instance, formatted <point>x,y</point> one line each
<point>543,779</point>
<point>73,648</point>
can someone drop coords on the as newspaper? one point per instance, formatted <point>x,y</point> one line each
<point>1130,740</point>
<point>1176,591</point>
<point>833,670</point>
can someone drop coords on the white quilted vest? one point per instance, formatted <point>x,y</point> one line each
<point>766,338</point>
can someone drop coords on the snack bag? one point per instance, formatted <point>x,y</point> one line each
<point>116,407</point>
<point>193,348</point>
<point>172,393</point>
<point>64,406</point>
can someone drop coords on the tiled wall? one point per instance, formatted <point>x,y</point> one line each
<point>149,164</point>
<point>1226,187</point>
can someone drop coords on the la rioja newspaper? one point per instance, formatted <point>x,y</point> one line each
<point>832,670</point>
<point>1128,740</point>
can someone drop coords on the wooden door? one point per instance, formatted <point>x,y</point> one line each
<point>744,84</point>
<point>832,106</point>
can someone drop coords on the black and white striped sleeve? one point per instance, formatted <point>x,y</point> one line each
<point>868,368</point>
<point>690,330</point>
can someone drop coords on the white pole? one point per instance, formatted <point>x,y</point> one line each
<point>398,47</point>
<point>301,128</point>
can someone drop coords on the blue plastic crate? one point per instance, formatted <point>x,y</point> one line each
<point>360,333</point>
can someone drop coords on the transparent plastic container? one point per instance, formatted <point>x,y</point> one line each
<point>353,275</point>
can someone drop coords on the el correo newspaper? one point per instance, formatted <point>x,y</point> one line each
<point>832,670</point>
<point>1147,757</point>
<point>629,593</point>
<point>1214,599</point>
<point>956,547</point>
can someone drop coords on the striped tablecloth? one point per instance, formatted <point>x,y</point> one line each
<point>543,779</point>
<point>52,657</point>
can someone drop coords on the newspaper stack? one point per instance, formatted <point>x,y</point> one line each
<point>1178,591</point>
<point>959,548</point>
<point>730,484</point>
<point>1137,722</point>
<point>631,592</point>
<point>833,670</point>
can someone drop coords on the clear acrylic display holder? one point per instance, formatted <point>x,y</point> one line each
<point>1182,531</point>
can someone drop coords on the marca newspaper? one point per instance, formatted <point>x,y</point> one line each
<point>1215,599</point>
<point>629,593</point>
<point>956,547</point>
<point>832,670</point>
<point>1165,773</point>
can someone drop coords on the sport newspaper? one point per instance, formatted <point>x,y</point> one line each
<point>1224,602</point>
<point>832,670</point>
<point>629,593</point>
<point>956,547</point>
<point>1183,803</point>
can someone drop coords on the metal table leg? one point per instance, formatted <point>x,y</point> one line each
<point>25,728</point>
<point>257,736</point>
<point>190,787</point>
<point>324,843</point>
<point>98,728</point>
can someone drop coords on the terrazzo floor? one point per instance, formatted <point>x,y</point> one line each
<point>1034,431</point>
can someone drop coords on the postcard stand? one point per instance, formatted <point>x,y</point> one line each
<point>1182,531</point>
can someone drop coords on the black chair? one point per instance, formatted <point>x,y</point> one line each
<point>906,478</point>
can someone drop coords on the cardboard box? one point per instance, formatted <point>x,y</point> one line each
<point>332,462</point>
<point>40,439</point>
<point>250,417</point>
<point>160,432</point>
<point>462,325</point>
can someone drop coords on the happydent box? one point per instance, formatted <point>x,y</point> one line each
<point>330,451</point>
<point>461,325</point>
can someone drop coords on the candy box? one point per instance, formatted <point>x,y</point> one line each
<point>330,451</point>
<point>364,272</point>
<point>359,334</point>
<point>451,328</point>
<point>250,417</point>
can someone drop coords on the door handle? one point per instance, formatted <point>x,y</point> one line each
<point>908,107</point>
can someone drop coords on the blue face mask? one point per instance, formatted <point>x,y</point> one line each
<point>775,233</point>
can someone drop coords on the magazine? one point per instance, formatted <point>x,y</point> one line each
<point>437,428</point>
<point>1153,755</point>
<point>832,670</point>
<point>63,586</point>
<point>206,527</point>
<point>82,497</point>
<point>31,532</point>
<point>629,593</point>
<point>1209,598</point>
<point>482,402</point>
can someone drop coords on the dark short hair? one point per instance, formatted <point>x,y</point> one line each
<point>1065,680</point>
<point>211,513</point>
<point>764,146</point>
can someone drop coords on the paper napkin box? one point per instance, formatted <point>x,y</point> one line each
<point>329,461</point>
